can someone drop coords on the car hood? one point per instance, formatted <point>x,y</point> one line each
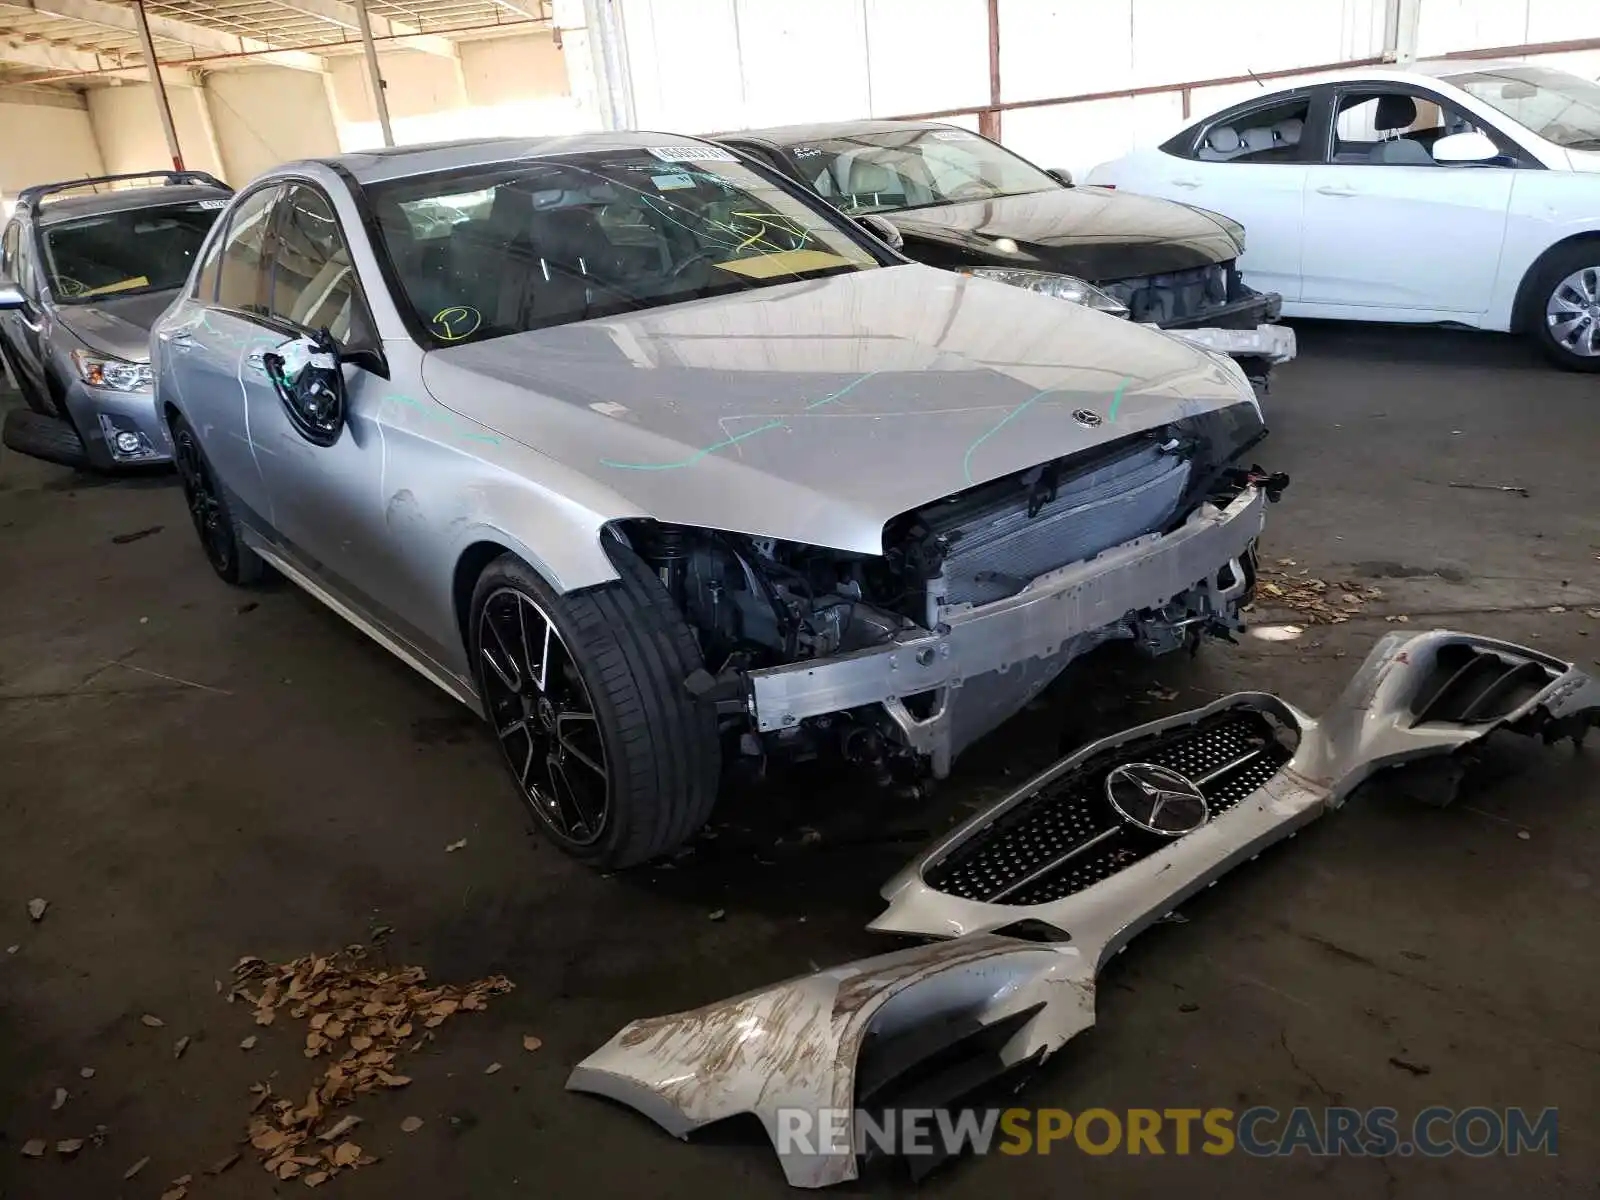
<point>817,411</point>
<point>1094,233</point>
<point>118,326</point>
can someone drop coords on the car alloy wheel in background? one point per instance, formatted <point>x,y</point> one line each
<point>543,717</point>
<point>1572,312</point>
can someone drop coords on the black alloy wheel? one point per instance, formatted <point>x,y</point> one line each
<point>543,717</point>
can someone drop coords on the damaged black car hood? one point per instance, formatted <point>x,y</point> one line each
<point>1093,233</point>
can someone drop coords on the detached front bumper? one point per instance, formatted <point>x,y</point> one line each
<point>1076,861</point>
<point>1039,623</point>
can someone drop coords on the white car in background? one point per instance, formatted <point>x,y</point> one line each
<point>1441,192</point>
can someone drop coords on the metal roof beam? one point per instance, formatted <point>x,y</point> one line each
<point>201,38</point>
<point>343,14</point>
<point>43,56</point>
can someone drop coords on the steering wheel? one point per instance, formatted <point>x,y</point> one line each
<point>702,255</point>
<point>69,287</point>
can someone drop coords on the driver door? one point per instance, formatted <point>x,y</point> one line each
<point>327,501</point>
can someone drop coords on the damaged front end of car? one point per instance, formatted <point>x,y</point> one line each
<point>1030,898</point>
<point>901,660</point>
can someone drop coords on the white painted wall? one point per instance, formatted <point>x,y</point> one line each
<point>45,140</point>
<point>128,129</point>
<point>267,115</point>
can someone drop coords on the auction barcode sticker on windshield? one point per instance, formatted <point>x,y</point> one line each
<point>208,204</point>
<point>954,135</point>
<point>691,154</point>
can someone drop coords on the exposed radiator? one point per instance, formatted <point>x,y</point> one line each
<point>997,554</point>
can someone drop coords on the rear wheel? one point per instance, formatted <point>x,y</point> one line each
<point>1564,307</point>
<point>230,558</point>
<point>615,760</point>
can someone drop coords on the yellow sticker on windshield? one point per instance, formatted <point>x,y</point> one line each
<point>125,285</point>
<point>784,262</point>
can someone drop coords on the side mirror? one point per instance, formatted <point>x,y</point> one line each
<point>307,377</point>
<point>11,298</point>
<point>1061,175</point>
<point>883,229</point>
<point>1469,147</point>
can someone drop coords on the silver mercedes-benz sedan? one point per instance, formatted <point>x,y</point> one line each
<point>658,463</point>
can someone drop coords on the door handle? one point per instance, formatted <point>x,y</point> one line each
<point>1186,183</point>
<point>1329,189</point>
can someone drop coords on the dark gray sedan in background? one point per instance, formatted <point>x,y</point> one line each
<point>657,462</point>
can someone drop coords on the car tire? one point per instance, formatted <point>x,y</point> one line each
<point>1559,285</point>
<point>214,522</point>
<point>605,706</point>
<point>40,436</point>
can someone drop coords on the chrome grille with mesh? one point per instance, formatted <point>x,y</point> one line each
<point>1066,837</point>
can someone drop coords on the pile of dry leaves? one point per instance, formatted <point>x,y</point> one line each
<point>1317,600</point>
<point>359,1018</point>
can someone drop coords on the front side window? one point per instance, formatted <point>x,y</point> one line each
<point>123,253</point>
<point>522,245</point>
<point>913,168</point>
<point>1559,107</point>
<point>242,282</point>
<point>1394,128</point>
<point>313,282</point>
<point>8,250</point>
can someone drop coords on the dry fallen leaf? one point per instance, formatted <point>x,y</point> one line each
<point>411,1125</point>
<point>249,1043</point>
<point>454,846</point>
<point>67,1147</point>
<point>137,1167</point>
<point>338,1130</point>
<point>180,1046</point>
<point>183,1181</point>
<point>222,1164</point>
<point>529,1042</point>
<point>716,914</point>
<point>34,1147</point>
<point>316,1179</point>
<point>346,1153</point>
<point>491,1068</point>
<point>177,1193</point>
<point>36,908</point>
<point>152,1022</point>
<point>59,1099</point>
<point>86,1072</point>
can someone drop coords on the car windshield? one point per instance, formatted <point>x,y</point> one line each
<point>1559,107</point>
<point>121,253</point>
<point>912,168</point>
<point>515,246</point>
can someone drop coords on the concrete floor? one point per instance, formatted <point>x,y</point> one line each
<point>190,774</point>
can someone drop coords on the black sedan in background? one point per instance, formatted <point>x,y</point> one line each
<point>954,199</point>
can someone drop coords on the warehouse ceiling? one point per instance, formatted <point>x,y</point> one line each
<point>81,42</point>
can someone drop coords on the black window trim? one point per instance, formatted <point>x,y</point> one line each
<point>215,302</point>
<point>1372,88</point>
<point>1186,143</point>
<point>371,358</point>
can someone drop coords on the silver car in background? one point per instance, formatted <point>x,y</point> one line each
<point>658,462</point>
<point>82,278</point>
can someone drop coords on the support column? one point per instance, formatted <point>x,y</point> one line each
<point>158,86</point>
<point>989,120</point>
<point>374,76</point>
<point>1401,19</point>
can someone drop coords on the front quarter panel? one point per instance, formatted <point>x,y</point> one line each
<point>1546,207</point>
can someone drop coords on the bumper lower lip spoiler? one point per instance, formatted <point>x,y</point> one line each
<point>1009,983</point>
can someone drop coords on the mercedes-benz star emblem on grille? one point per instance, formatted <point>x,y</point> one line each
<point>1086,417</point>
<point>1156,800</point>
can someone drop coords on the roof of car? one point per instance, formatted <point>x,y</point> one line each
<point>401,162</point>
<point>789,135</point>
<point>67,207</point>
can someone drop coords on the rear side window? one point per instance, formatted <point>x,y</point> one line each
<point>1267,133</point>
<point>242,281</point>
<point>313,281</point>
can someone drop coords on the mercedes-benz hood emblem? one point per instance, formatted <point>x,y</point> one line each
<point>1156,800</point>
<point>1086,417</point>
